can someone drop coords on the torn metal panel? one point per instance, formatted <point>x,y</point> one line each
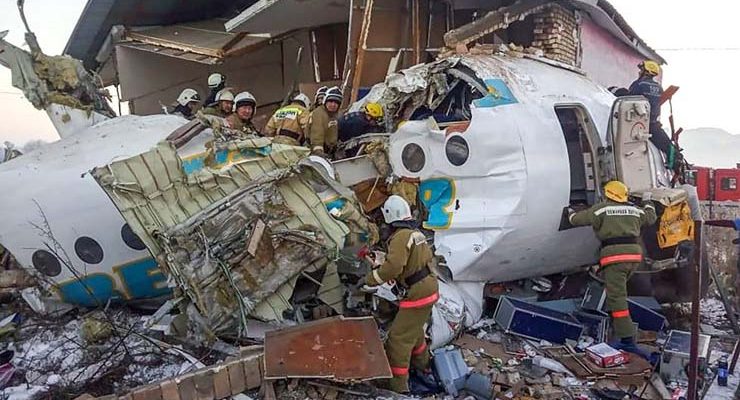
<point>337,348</point>
<point>331,291</point>
<point>233,227</point>
<point>351,171</point>
<point>23,77</point>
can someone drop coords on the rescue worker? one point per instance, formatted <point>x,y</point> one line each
<point>407,262</point>
<point>224,104</point>
<point>290,124</point>
<point>216,82</point>
<point>187,102</point>
<point>359,123</point>
<point>617,223</point>
<point>241,119</point>
<point>646,86</point>
<point>619,91</point>
<point>319,97</point>
<point>323,134</point>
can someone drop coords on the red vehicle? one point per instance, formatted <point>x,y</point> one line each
<point>718,184</point>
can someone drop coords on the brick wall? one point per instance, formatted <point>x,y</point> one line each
<point>556,33</point>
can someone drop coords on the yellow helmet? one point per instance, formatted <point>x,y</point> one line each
<point>374,110</point>
<point>617,191</point>
<point>651,67</point>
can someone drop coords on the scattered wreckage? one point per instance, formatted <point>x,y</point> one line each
<point>247,232</point>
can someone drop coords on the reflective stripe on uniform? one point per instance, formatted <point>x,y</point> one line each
<point>416,238</point>
<point>621,314</point>
<point>620,211</point>
<point>400,370</point>
<point>617,258</point>
<point>419,349</point>
<point>376,276</point>
<point>424,301</point>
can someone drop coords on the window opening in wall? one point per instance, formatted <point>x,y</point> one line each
<point>728,184</point>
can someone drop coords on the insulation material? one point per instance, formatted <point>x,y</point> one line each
<point>53,79</point>
<point>233,232</point>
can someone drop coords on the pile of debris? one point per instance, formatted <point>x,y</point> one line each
<point>100,352</point>
<point>525,350</point>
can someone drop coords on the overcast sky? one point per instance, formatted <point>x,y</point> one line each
<point>699,41</point>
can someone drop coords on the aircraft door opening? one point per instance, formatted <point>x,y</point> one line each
<point>579,134</point>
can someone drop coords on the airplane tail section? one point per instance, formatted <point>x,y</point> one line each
<point>58,84</point>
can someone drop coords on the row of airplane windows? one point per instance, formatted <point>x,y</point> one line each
<point>86,248</point>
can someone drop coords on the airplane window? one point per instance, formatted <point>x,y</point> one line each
<point>457,150</point>
<point>131,239</point>
<point>413,157</point>
<point>46,263</point>
<point>88,250</point>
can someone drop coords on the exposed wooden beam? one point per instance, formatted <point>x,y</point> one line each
<point>493,21</point>
<point>416,26</point>
<point>366,21</point>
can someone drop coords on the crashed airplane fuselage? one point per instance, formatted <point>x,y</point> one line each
<point>498,145</point>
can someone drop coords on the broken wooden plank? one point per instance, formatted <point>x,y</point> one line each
<point>493,21</point>
<point>364,31</point>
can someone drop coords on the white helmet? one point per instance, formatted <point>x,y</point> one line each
<point>396,209</point>
<point>328,168</point>
<point>186,96</point>
<point>302,98</point>
<point>224,95</point>
<point>215,79</point>
<point>334,93</point>
<point>320,93</point>
<point>244,98</point>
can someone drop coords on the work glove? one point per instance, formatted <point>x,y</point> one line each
<point>318,151</point>
<point>647,196</point>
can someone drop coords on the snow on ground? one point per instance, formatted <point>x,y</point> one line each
<point>713,313</point>
<point>51,356</point>
<point>717,392</point>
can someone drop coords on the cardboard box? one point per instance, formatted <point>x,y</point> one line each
<point>606,356</point>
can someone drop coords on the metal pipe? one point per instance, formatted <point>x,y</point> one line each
<point>349,55</point>
<point>735,354</point>
<point>693,373</point>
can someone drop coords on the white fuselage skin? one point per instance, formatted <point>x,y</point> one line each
<point>510,194</point>
<point>503,215</point>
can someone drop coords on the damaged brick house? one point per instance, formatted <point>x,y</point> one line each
<point>153,50</point>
